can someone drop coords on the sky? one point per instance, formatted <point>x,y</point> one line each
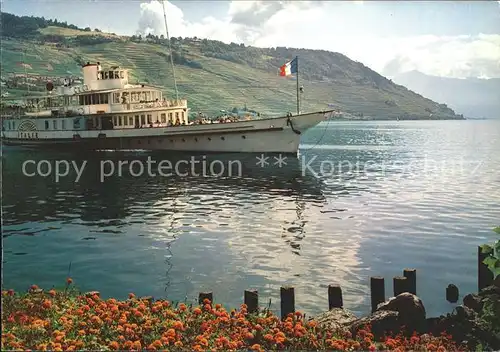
<point>442,38</point>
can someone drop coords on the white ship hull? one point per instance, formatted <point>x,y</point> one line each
<point>275,135</point>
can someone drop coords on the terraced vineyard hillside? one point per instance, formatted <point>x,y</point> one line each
<point>213,75</point>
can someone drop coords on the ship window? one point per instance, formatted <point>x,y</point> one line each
<point>122,74</point>
<point>117,75</point>
<point>163,118</point>
<point>135,97</point>
<point>143,96</point>
<point>63,124</point>
<point>119,120</point>
<point>176,115</point>
<point>150,118</point>
<point>106,75</point>
<point>116,98</point>
<point>54,123</point>
<point>131,120</point>
<point>46,124</point>
<point>169,116</point>
<point>148,96</point>
<point>183,115</point>
<point>80,100</point>
<point>143,119</point>
<point>87,99</point>
<point>104,98</point>
<point>125,120</point>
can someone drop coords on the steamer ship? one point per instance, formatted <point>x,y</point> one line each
<point>106,112</point>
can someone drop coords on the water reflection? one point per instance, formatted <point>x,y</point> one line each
<point>209,215</point>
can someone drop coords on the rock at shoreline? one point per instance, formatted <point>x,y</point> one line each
<point>403,312</point>
<point>476,322</point>
<point>381,323</point>
<point>337,319</point>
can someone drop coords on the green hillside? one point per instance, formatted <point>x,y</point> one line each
<point>210,74</point>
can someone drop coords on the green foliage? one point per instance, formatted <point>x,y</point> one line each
<point>493,258</point>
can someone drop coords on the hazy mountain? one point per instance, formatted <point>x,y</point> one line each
<point>472,97</point>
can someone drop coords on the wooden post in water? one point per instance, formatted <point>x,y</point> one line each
<point>377,288</point>
<point>287,294</point>
<point>334,297</point>
<point>411,280</point>
<point>204,295</point>
<point>251,299</point>
<point>452,293</point>
<point>400,284</point>
<point>484,275</point>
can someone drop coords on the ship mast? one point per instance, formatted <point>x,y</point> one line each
<point>170,49</point>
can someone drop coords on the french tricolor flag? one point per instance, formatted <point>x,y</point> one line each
<point>289,68</point>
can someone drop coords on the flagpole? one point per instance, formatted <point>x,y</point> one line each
<point>298,96</point>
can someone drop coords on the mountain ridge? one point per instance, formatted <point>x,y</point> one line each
<point>211,74</point>
<point>473,97</point>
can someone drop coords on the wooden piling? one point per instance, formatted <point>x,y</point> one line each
<point>452,293</point>
<point>251,299</point>
<point>484,275</point>
<point>377,288</point>
<point>207,295</point>
<point>411,280</point>
<point>399,285</point>
<point>334,297</point>
<point>287,294</point>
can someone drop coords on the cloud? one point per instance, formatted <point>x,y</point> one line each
<point>458,56</point>
<point>333,26</point>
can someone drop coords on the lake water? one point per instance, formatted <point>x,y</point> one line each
<point>362,199</point>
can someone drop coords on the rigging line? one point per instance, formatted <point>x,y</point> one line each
<point>170,49</point>
<point>323,135</point>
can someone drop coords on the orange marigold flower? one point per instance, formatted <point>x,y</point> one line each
<point>255,347</point>
<point>69,281</point>
<point>128,345</point>
<point>197,348</point>
<point>312,324</point>
<point>47,304</point>
<point>249,336</point>
<point>158,344</point>
<point>81,332</point>
<point>206,301</point>
<point>178,325</point>
<point>178,344</point>
<point>114,345</point>
<point>197,311</point>
<point>131,296</point>
<point>182,307</point>
<point>170,333</point>
<point>441,349</point>
<point>137,345</point>
<point>268,337</point>
<point>52,292</point>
